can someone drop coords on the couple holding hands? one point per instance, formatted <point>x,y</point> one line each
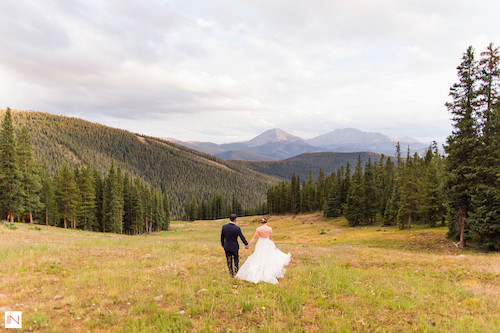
<point>265,264</point>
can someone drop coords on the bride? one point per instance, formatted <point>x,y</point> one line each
<point>267,263</point>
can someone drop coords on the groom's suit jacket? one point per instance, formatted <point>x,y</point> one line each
<point>229,237</point>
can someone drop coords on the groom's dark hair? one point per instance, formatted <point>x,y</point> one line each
<point>232,217</point>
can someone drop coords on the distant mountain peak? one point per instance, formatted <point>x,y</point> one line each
<point>274,135</point>
<point>348,136</point>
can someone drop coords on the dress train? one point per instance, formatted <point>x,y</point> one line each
<point>265,264</point>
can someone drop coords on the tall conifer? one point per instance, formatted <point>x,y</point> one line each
<point>99,191</point>
<point>462,146</point>
<point>66,195</point>
<point>371,195</point>
<point>86,208</point>
<point>11,191</point>
<point>429,198</point>
<point>111,202</point>
<point>127,204</point>
<point>295,195</point>
<point>394,202</point>
<point>355,205</point>
<point>409,193</point>
<point>30,175</point>
<point>47,193</point>
<point>485,217</point>
<point>166,207</point>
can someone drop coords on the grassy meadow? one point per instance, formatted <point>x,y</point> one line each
<point>367,279</point>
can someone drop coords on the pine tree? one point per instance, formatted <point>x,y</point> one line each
<point>429,199</point>
<point>99,200</point>
<point>192,209</point>
<point>484,219</point>
<point>347,184</point>
<point>127,204</point>
<point>86,208</point>
<point>236,206</point>
<point>166,207</point>
<point>11,191</point>
<point>385,183</point>
<point>310,193</point>
<point>355,205</point>
<point>66,195</point>
<point>394,202</point>
<point>112,202</point>
<point>215,203</point>
<point>30,175</point>
<point>462,147</point>
<point>320,190</point>
<point>148,208</point>
<point>295,194</point>
<point>119,183</point>
<point>284,197</point>
<point>138,206</point>
<point>47,193</point>
<point>333,204</point>
<point>409,194</point>
<point>370,193</point>
<point>158,211</point>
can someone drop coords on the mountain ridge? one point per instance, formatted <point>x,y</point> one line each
<point>182,171</point>
<point>278,144</point>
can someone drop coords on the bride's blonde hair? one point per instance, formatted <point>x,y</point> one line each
<point>264,220</point>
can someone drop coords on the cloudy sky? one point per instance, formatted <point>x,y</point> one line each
<point>225,71</point>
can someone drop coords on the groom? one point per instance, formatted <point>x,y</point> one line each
<point>229,241</point>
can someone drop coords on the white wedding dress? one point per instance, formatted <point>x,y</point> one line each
<point>265,264</point>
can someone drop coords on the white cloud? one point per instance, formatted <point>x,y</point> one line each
<point>248,65</point>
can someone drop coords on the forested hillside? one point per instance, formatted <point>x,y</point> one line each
<point>327,161</point>
<point>180,171</point>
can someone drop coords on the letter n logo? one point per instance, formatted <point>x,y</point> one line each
<point>13,319</point>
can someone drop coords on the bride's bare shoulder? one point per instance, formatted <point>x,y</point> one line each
<point>264,227</point>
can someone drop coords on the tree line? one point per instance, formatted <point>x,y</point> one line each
<point>400,192</point>
<point>461,187</point>
<point>82,198</point>
<point>216,207</point>
<point>180,171</point>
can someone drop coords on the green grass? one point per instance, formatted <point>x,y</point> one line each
<point>368,279</point>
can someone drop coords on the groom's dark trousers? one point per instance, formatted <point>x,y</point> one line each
<point>229,241</point>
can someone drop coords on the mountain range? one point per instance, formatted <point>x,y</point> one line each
<point>182,171</point>
<point>276,144</point>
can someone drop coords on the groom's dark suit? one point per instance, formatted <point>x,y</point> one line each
<point>229,241</point>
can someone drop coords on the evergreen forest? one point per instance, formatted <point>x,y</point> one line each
<point>78,198</point>
<point>181,172</point>
<point>301,165</point>
<point>460,189</point>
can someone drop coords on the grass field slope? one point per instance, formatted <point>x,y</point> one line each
<point>368,279</point>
